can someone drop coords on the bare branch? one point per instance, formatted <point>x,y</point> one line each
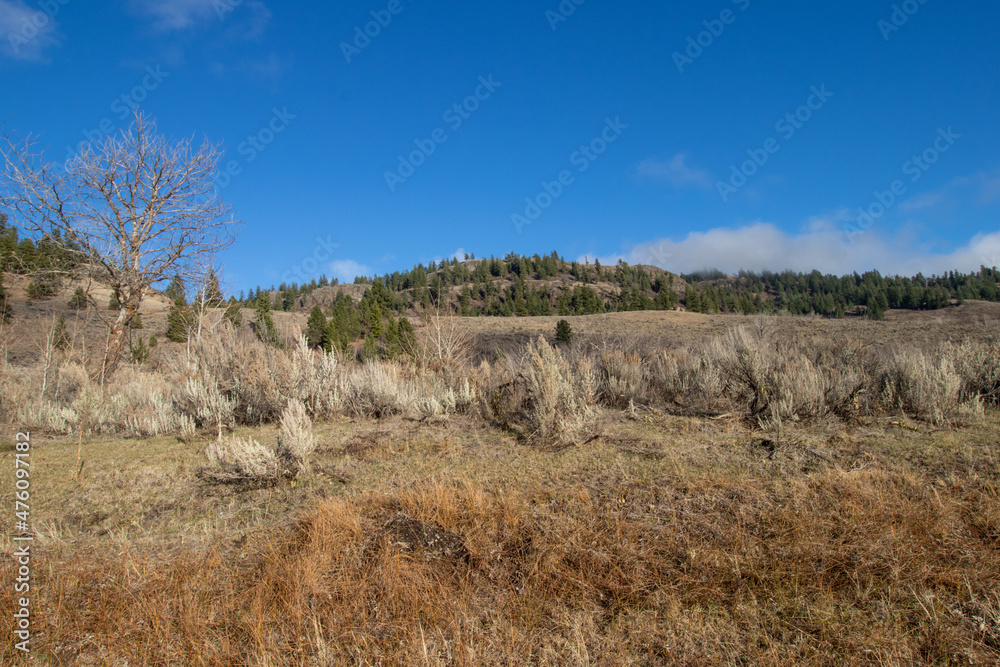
<point>135,208</point>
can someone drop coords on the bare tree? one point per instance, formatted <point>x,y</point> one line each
<point>445,339</point>
<point>135,208</point>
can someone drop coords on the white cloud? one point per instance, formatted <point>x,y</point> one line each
<point>989,189</point>
<point>182,14</point>
<point>822,246</point>
<point>253,26</point>
<point>177,14</point>
<point>346,270</point>
<point>674,171</point>
<point>921,202</point>
<point>272,66</point>
<point>982,187</point>
<point>26,32</point>
<point>458,254</point>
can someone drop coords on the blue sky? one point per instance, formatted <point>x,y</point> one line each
<point>646,131</point>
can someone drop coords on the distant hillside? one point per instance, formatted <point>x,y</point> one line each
<point>539,286</point>
<point>513,286</point>
<point>376,312</point>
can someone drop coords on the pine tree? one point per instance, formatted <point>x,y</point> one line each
<point>176,289</point>
<point>234,312</point>
<point>60,337</point>
<point>264,323</point>
<point>113,302</point>
<point>140,353</point>
<point>213,293</point>
<point>465,302</point>
<point>369,350</point>
<point>316,327</point>
<point>42,286</point>
<point>692,300</point>
<point>79,300</point>
<point>709,300</point>
<point>26,255</point>
<point>564,332</point>
<point>4,306</point>
<point>666,299</point>
<point>407,337</point>
<point>178,326</point>
<point>375,319</point>
<point>8,243</point>
<point>392,346</point>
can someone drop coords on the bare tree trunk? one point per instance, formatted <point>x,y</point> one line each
<point>119,332</point>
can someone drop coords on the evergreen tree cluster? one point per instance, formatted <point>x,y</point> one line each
<point>521,286</point>
<point>44,258</point>
<point>385,335</point>
<point>516,285</point>
<point>831,296</point>
<point>288,297</point>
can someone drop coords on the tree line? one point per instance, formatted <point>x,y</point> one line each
<point>522,286</point>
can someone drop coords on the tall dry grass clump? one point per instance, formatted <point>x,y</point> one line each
<point>296,441</point>
<point>622,379</point>
<point>242,461</point>
<point>377,390</point>
<point>928,386</point>
<point>560,398</point>
<point>768,384</point>
<point>978,365</point>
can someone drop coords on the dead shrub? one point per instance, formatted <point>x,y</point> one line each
<point>685,376</point>
<point>927,386</point>
<point>769,384</point>
<point>622,381</point>
<point>255,377</point>
<point>376,389</point>
<point>560,398</point>
<point>241,461</point>
<point>444,343</point>
<point>978,365</point>
<point>295,439</point>
<point>205,404</point>
<point>847,393</point>
<point>140,404</point>
<point>314,379</point>
<point>501,394</point>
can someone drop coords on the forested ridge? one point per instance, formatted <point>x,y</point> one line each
<point>530,286</point>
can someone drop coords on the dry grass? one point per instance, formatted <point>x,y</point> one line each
<point>411,530</point>
<point>228,378</point>
<point>872,565</point>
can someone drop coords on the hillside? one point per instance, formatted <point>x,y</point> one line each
<point>22,336</point>
<point>533,286</point>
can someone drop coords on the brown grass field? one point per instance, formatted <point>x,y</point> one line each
<point>656,535</point>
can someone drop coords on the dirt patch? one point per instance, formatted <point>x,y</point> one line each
<point>410,535</point>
